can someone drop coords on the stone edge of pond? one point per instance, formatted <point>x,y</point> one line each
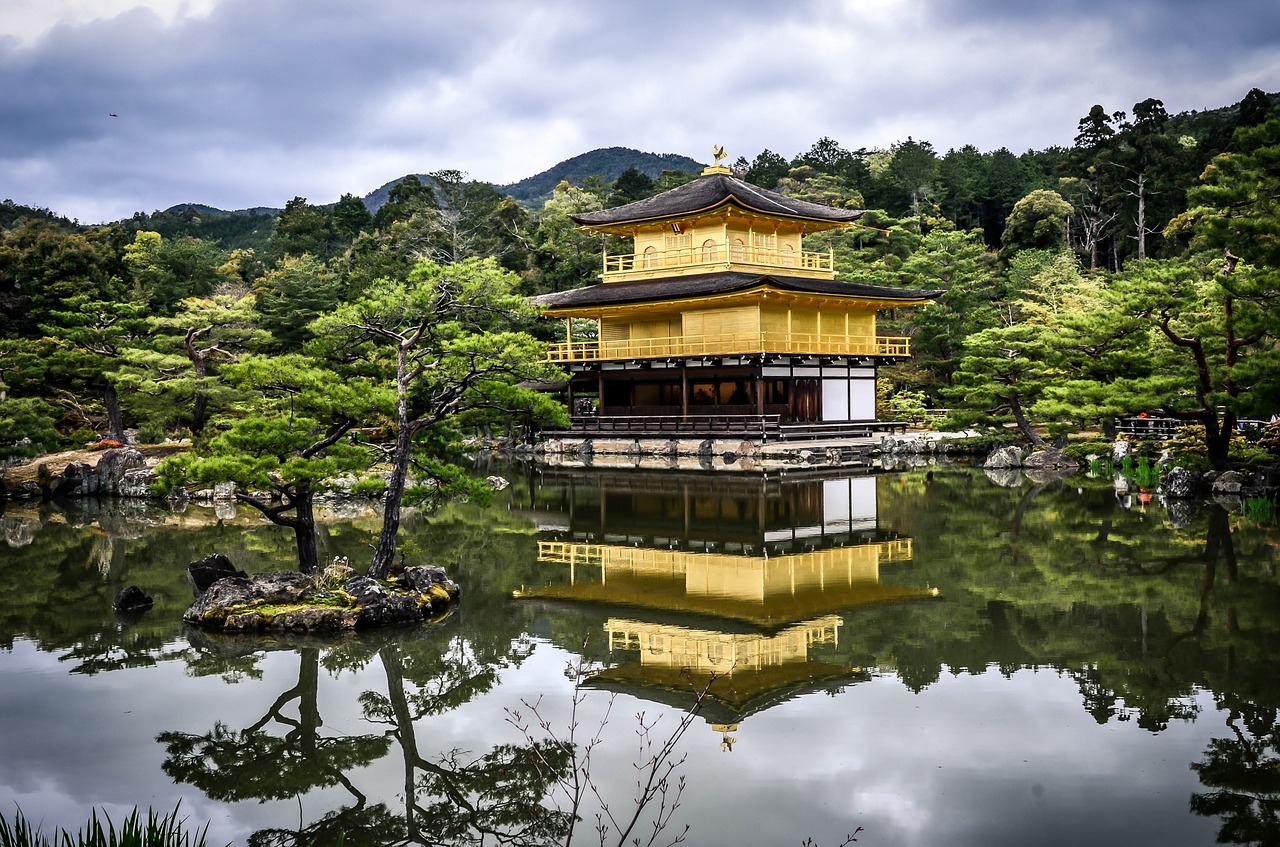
<point>298,602</point>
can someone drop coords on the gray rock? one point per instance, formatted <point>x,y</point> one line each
<point>1119,450</point>
<point>228,593</point>
<point>1229,482</point>
<point>137,483</point>
<point>1051,460</point>
<point>1004,457</point>
<point>112,467</point>
<point>1180,484</point>
<point>378,605</point>
<point>79,479</point>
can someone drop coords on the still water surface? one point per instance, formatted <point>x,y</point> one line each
<point>935,656</point>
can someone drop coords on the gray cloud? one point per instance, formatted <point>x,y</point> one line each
<point>252,103</point>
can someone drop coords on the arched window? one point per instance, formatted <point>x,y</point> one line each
<point>650,257</point>
<point>738,250</point>
<point>788,255</point>
<point>709,251</point>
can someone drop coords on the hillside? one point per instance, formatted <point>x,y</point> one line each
<point>606,162</point>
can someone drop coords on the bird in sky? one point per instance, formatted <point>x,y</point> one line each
<point>112,115</point>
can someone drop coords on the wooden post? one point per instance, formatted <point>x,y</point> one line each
<point>684,390</point>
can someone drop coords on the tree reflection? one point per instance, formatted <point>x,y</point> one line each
<point>255,764</point>
<point>1243,775</point>
<point>460,798</point>
<point>453,797</point>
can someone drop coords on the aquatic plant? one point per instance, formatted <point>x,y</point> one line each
<point>1260,510</point>
<point>156,831</point>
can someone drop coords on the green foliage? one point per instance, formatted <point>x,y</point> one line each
<point>448,339</point>
<point>906,406</point>
<point>564,256</point>
<point>300,229</point>
<point>29,428</point>
<point>1081,450</point>
<point>164,272</point>
<point>291,295</point>
<point>1037,222</point>
<point>156,831</point>
<point>1260,510</point>
<point>247,230</point>
<point>42,265</point>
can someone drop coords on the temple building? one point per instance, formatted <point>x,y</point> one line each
<point>720,321</point>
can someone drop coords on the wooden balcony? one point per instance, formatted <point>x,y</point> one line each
<point>810,344</point>
<point>673,562</point>
<point>710,258</point>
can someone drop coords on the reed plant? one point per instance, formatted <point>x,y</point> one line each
<point>155,830</point>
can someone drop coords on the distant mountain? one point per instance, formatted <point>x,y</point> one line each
<point>606,162</point>
<point>201,209</point>
<point>244,228</point>
<point>15,214</point>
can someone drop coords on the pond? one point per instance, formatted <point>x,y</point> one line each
<point>933,655</point>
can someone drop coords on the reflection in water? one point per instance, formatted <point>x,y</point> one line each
<point>455,798</point>
<point>1000,660</point>
<point>1241,775</point>
<point>748,579</point>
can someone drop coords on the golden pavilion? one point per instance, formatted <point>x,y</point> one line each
<point>720,321</point>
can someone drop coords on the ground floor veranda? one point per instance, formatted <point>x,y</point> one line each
<point>769,398</point>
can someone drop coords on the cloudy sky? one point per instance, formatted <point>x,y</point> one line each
<point>241,103</point>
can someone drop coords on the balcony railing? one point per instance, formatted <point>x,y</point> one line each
<point>577,553</point>
<point>799,343</point>
<point>712,255</point>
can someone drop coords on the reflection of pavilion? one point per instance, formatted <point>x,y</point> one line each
<point>748,579</point>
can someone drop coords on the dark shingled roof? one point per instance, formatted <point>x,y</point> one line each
<point>708,192</point>
<point>701,285</point>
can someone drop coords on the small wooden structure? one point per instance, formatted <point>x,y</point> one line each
<point>719,320</point>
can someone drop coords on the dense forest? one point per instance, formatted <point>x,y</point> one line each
<point>1137,269</point>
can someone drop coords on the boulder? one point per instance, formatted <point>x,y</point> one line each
<point>1047,460</point>
<point>137,483</point>
<point>1120,450</point>
<point>112,467</point>
<point>1179,484</point>
<point>225,598</point>
<point>377,605</point>
<point>1004,457</point>
<point>79,479</point>
<point>1229,482</point>
<point>131,599</point>
<point>205,572</point>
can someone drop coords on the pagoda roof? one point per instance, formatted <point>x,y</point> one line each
<point>704,285</point>
<point>710,191</point>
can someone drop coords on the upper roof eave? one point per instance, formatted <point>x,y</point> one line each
<point>709,192</point>
<point>616,294</point>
